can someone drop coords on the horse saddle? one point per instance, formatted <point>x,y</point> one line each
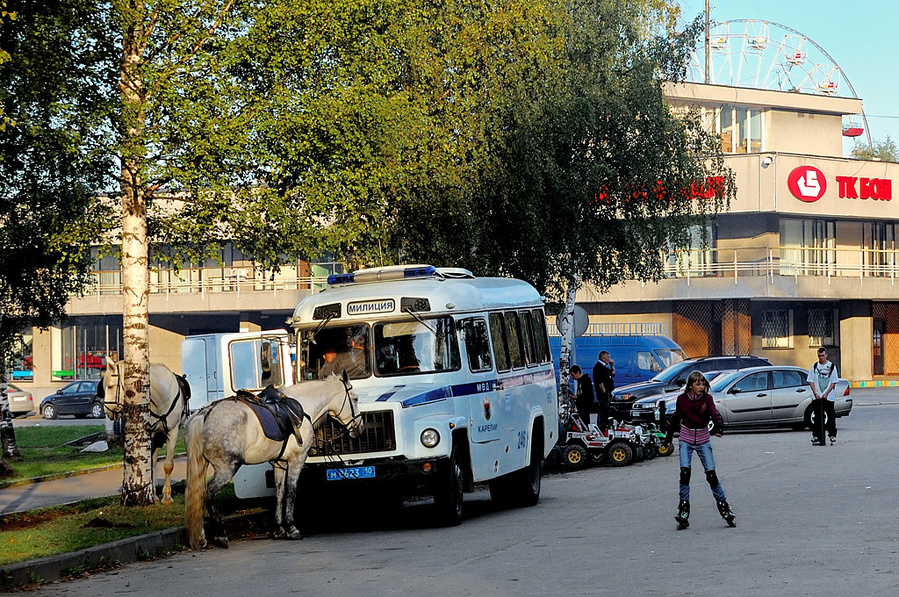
<point>279,415</point>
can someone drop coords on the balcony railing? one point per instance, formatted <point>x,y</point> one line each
<point>203,280</point>
<point>783,261</point>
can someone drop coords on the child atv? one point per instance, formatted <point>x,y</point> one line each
<point>618,446</point>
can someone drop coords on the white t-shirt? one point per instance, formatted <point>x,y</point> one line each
<point>822,376</point>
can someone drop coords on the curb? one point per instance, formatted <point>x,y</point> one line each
<point>123,551</point>
<point>115,554</point>
<point>56,476</point>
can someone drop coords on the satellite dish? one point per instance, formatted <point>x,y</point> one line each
<point>581,321</point>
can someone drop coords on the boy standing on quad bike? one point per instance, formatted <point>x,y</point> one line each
<point>692,415</point>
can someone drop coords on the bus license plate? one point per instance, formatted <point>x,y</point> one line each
<point>356,472</point>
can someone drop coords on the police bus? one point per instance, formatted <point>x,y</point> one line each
<point>454,378</point>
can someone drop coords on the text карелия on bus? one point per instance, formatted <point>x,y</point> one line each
<point>454,378</point>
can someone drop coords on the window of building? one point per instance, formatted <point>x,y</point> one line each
<point>808,247</point>
<point>821,326</point>
<point>79,347</point>
<point>740,129</point>
<point>23,360</point>
<point>777,328</point>
<point>879,247</point>
<point>698,258</point>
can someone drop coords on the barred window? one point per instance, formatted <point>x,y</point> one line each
<point>777,329</point>
<point>821,328</point>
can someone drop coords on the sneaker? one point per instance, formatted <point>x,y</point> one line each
<point>816,441</point>
<point>833,440</point>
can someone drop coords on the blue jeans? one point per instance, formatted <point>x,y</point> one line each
<point>704,451</point>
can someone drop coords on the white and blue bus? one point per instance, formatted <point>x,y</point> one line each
<point>454,378</point>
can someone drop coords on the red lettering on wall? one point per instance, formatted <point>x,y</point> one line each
<point>847,186</point>
<point>868,188</point>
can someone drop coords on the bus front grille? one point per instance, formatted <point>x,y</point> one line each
<point>378,435</point>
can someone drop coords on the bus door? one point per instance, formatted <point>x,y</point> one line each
<point>484,394</point>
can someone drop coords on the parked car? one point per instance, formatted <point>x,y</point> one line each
<point>762,396</point>
<point>673,379</point>
<point>21,402</point>
<point>78,398</point>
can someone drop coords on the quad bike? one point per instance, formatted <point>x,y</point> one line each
<point>619,445</point>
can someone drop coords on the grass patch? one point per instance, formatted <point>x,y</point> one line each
<point>47,451</point>
<point>65,529</point>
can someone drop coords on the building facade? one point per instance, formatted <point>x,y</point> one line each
<point>805,256</point>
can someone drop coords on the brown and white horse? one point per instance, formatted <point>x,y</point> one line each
<point>169,396</point>
<point>227,434</point>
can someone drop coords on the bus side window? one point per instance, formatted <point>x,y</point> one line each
<point>498,335</point>
<point>477,345</point>
<point>514,340</point>
<point>527,339</point>
<point>541,339</point>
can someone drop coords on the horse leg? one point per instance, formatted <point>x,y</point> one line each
<point>223,474</point>
<point>168,467</point>
<point>280,475</point>
<point>291,480</point>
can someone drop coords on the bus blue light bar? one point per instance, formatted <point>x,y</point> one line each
<point>383,274</point>
<point>420,272</point>
<point>341,278</point>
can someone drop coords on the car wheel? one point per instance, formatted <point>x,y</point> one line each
<point>49,411</point>
<point>620,453</point>
<point>97,410</point>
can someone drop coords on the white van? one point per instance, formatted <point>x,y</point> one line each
<point>454,378</point>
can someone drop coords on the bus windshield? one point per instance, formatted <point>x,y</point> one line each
<point>408,347</point>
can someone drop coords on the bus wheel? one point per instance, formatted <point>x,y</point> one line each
<point>521,488</point>
<point>448,492</point>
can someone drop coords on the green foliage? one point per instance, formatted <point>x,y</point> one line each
<point>53,159</point>
<point>884,150</point>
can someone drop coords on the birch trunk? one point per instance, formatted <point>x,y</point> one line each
<point>137,487</point>
<point>566,331</point>
<point>7,432</point>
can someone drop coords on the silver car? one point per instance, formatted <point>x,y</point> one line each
<point>764,396</point>
<point>21,402</point>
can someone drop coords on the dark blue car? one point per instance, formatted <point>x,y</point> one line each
<point>77,398</point>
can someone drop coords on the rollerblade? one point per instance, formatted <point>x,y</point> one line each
<point>683,515</point>
<point>726,514</point>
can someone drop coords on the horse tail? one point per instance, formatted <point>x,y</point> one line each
<point>195,493</point>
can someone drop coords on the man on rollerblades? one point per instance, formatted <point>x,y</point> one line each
<point>694,410</point>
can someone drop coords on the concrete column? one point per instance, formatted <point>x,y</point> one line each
<point>856,362</point>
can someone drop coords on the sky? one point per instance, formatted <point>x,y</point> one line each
<point>862,37</point>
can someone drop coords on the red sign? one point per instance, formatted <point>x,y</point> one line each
<point>807,183</point>
<point>868,188</point>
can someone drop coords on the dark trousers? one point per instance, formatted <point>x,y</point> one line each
<point>824,408</point>
<point>602,410</point>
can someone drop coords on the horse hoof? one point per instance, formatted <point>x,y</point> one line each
<point>221,542</point>
<point>167,501</point>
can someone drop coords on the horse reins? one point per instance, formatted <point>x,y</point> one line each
<point>119,388</point>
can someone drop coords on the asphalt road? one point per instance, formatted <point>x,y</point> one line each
<point>811,521</point>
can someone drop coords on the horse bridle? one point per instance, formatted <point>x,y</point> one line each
<point>119,388</point>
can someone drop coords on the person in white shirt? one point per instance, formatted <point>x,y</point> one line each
<point>823,378</point>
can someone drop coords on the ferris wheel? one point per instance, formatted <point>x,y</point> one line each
<point>765,55</point>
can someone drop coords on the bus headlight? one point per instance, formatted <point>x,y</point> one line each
<point>429,438</point>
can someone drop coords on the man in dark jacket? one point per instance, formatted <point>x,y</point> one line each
<point>583,399</point>
<point>604,375</point>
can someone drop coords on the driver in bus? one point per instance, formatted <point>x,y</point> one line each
<point>351,360</point>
